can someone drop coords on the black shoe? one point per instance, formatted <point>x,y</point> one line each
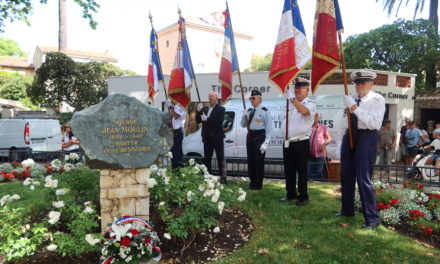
<point>370,225</point>
<point>302,202</point>
<point>223,180</point>
<point>342,214</point>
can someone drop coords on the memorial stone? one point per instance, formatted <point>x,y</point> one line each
<point>122,137</point>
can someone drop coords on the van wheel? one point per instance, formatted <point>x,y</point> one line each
<point>193,154</point>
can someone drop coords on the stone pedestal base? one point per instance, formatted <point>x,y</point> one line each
<point>124,193</point>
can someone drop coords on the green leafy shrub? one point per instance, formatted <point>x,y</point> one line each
<point>83,184</point>
<point>189,199</point>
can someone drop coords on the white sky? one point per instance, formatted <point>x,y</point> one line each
<point>123,26</point>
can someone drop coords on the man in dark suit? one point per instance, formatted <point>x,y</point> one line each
<point>212,133</point>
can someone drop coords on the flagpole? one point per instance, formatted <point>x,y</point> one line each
<point>160,65</point>
<point>350,133</point>
<point>192,67</point>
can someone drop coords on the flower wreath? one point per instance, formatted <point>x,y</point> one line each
<point>129,238</point>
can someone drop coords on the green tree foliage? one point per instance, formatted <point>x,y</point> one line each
<point>78,84</point>
<point>9,47</point>
<point>404,46</point>
<point>20,10</point>
<point>260,63</point>
<point>13,86</point>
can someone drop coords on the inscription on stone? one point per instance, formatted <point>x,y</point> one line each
<point>121,132</point>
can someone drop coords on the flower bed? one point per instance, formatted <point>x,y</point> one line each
<point>408,205</point>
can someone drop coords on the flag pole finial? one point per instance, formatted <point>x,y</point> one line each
<point>179,11</point>
<point>150,16</point>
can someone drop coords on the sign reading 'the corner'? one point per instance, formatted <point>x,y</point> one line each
<point>122,133</point>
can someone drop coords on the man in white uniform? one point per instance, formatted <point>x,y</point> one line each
<point>296,147</point>
<point>367,111</point>
<point>178,118</point>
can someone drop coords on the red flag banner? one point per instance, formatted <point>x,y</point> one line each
<point>325,58</point>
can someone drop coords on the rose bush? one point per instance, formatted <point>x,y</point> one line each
<point>190,200</point>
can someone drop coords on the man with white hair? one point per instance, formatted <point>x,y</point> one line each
<point>212,133</point>
<point>367,111</point>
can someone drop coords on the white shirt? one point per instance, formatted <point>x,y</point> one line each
<point>66,139</point>
<point>435,143</point>
<point>210,110</point>
<point>178,123</point>
<point>300,124</point>
<point>370,111</point>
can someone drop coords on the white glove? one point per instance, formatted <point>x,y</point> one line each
<point>263,148</point>
<point>289,95</point>
<point>204,117</point>
<point>199,107</point>
<point>349,101</point>
<point>169,104</point>
<point>245,112</point>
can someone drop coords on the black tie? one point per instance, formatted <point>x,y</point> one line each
<point>251,116</point>
<point>358,101</point>
<point>354,121</point>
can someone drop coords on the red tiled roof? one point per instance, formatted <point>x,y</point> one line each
<point>18,62</point>
<point>81,54</point>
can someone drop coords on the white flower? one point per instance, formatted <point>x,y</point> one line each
<point>119,230</point>
<point>153,168</point>
<point>167,236</point>
<point>60,192</point>
<point>56,164</point>
<point>28,163</point>
<point>216,229</point>
<point>54,216</point>
<point>161,203</point>
<point>242,197</point>
<point>191,162</point>
<point>66,157</point>
<point>188,196</point>
<point>32,187</point>
<point>91,240</point>
<point>68,167</point>
<point>58,204</point>
<point>88,210</point>
<point>208,193</point>
<point>74,156</point>
<point>87,203</point>
<point>52,247</point>
<point>203,168</point>
<point>15,197</point>
<point>169,155</point>
<point>8,198</point>
<point>201,188</point>
<point>151,182</point>
<point>195,170</point>
<point>220,207</point>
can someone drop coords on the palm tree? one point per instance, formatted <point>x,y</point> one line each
<point>389,5</point>
<point>431,68</point>
<point>62,26</point>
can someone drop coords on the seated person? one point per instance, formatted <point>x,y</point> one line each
<point>435,158</point>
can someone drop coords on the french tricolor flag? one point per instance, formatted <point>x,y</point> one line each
<point>229,63</point>
<point>182,74</point>
<point>155,75</point>
<point>292,51</point>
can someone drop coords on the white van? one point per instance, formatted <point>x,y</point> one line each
<point>28,134</point>
<point>330,106</point>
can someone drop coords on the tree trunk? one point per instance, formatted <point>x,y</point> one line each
<point>433,15</point>
<point>62,26</point>
<point>431,72</point>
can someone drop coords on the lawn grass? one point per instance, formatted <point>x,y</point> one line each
<point>286,233</point>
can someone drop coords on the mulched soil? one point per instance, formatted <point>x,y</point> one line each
<point>235,231</point>
<point>432,241</point>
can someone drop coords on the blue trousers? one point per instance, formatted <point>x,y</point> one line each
<point>315,167</point>
<point>357,165</point>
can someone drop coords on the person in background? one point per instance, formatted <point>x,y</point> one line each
<point>367,110</point>
<point>387,142</point>
<point>70,142</point>
<point>402,141</point>
<point>212,133</point>
<point>178,118</point>
<point>260,131</point>
<point>425,138</point>
<point>413,136</point>
<point>297,145</point>
<point>319,139</point>
<point>435,158</point>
